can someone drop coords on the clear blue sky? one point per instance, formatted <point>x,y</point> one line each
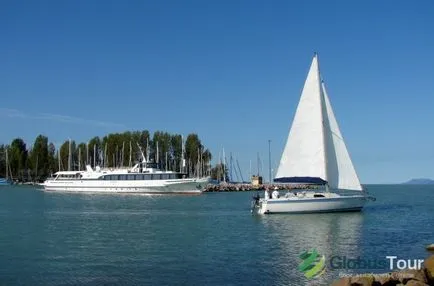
<point>232,71</point>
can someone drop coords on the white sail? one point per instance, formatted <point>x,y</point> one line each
<point>315,148</point>
<point>304,153</point>
<point>340,169</point>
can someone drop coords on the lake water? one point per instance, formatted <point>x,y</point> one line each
<point>211,239</point>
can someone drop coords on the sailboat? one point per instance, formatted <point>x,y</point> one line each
<point>315,153</point>
<point>6,181</point>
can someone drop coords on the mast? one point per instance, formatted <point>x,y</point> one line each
<point>250,170</point>
<point>79,159</point>
<point>219,166</point>
<point>201,162</point>
<point>324,122</point>
<point>69,156</point>
<point>182,163</point>
<point>58,159</point>
<point>157,156</point>
<point>7,164</point>
<point>165,165</point>
<point>105,156</point>
<point>94,155</point>
<point>87,153</point>
<point>116,157</point>
<point>147,150</point>
<point>131,151</point>
<point>224,166</point>
<point>123,153</point>
<point>269,160</point>
<point>239,170</point>
<point>231,166</point>
<point>258,164</point>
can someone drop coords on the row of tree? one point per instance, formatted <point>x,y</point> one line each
<point>116,150</point>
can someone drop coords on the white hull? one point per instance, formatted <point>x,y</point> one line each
<point>330,202</point>
<point>177,186</point>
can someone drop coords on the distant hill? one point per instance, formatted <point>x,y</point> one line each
<point>421,181</point>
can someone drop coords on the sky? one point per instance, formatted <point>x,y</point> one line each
<point>231,71</point>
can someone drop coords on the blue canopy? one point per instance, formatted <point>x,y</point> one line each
<point>306,180</point>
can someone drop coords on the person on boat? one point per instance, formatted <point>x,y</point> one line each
<point>275,194</point>
<point>267,193</point>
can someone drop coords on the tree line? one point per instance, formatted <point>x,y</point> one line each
<point>115,150</point>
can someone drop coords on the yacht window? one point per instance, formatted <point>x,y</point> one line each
<point>156,176</point>
<point>164,176</point>
<point>131,177</point>
<point>147,176</point>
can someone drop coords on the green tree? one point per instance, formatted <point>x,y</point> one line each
<point>217,172</point>
<point>18,157</point>
<point>52,160</point>
<point>176,152</point>
<point>80,155</point>
<point>39,158</point>
<point>3,160</point>
<point>193,151</point>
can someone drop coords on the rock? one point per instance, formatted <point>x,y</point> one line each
<point>388,279</point>
<point>344,281</point>
<point>408,275</point>
<point>430,247</point>
<point>429,269</point>
<point>362,280</point>
<point>388,282</point>
<point>416,283</point>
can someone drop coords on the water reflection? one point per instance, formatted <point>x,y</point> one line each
<point>330,234</point>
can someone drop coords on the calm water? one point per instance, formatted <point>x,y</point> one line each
<point>212,239</point>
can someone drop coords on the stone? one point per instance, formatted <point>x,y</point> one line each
<point>418,275</point>
<point>416,283</point>
<point>429,269</point>
<point>430,247</point>
<point>344,281</point>
<point>362,280</point>
<point>380,279</point>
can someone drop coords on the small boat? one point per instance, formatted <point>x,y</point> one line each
<point>5,182</point>
<point>315,153</point>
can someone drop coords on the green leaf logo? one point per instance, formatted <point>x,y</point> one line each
<point>313,263</point>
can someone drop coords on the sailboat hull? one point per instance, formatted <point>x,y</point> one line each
<point>310,204</point>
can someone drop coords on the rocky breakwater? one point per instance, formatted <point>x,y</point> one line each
<point>228,187</point>
<point>421,277</point>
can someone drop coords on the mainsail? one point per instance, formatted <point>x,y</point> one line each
<point>315,151</point>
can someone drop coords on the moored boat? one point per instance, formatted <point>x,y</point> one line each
<point>144,177</point>
<point>5,182</point>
